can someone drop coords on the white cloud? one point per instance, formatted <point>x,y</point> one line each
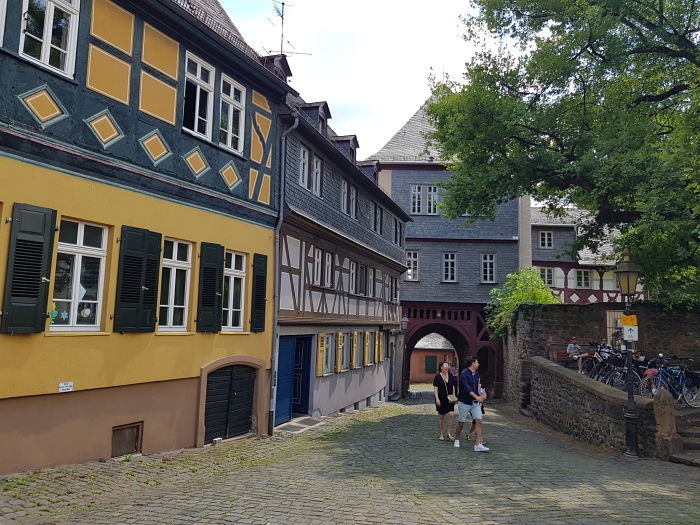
<point>369,59</point>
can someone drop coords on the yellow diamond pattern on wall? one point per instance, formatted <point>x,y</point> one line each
<point>196,162</point>
<point>230,175</point>
<point>43,105</point>
<point>155,147</point>
<point>105,128</point>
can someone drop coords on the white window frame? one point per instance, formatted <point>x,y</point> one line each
<point>546,240</point>
<point>318,266</point>
<point>202,86</point>
<point>370,282</point>
<point>377,218</point>
<point>304,155</point>
<point>547,276</point>
<point>583,279</point>
<point>72,9</point>
<point>346,352</point>
<point>344,188</point>
<point>370,349</point>
<point>352,285</point>
<point>398,232</point>
<point>432,200</point>
<point>488,267</point>
<point>328,270</point>
<point>174,264</point>
<point>449,267</point>
<point>412,264</point>
<point>329,361</point>
<point>359,350</point>
<point>233,274</point>
<point>234,106</point>
<point>316,175</point>
<point>416,199</point>
<point>78,251</point>
<point>3,8</point>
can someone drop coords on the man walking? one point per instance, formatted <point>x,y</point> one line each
<point>469,402</point>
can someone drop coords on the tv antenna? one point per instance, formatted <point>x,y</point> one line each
<point>279,10</point>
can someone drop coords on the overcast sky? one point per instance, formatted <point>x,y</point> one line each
<point>369,59</point>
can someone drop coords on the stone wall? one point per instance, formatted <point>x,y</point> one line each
<point>587,409</point>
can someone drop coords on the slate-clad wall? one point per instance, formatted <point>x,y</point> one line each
<point>327,207</point>
<point>562,239</point>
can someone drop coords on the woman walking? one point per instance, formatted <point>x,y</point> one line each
<point>444,384</point>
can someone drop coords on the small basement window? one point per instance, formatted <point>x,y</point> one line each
<point>127,439</point>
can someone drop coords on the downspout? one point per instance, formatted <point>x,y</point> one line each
<point>275,330</point>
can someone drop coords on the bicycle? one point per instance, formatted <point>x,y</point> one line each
<point>681,383</point>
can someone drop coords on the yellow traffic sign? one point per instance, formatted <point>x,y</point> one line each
<point>629,320</point>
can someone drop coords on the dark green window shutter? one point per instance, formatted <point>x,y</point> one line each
<point>257,315</point>
<point>137,280</point>
<point>211,277</point>
<point>28,268</point>
<point>431,364</point>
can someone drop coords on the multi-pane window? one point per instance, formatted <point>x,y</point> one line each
<point>2,18</point>
<point>329,361</point>
<point>353,277</point>
<point>348,199</point>
<point>377,218</point>
<point>362,280</point>
<point>232,118</point>
<point>304,166</point>
<point>547,275</point>
<point>488,268</point>
<point>412,264</point>
<point>370,282</point>
<point>369,347</point>
<point>583,279</point>
<point>546,240</point>
<point>174,284</point>
<point>394,290</point>
<point>359,350</point>
<point>199,93</point>
<point>449,267</point>
<point>328,270</point>
<point>316,176</point>
<point>49,32</point>
<point>347,346</point>
<point>416,199</point>
<point>77,290</point>
<point>398,232</point>
<point>318,266</point>
<point>431,201</point>
<point>234,288</point>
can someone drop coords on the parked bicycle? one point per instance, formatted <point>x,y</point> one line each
<point>682,383</point>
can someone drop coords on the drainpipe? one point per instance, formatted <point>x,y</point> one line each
<point>275,330</point>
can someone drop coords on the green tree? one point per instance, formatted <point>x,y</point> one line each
<point>524,286</point>
<point>599,108</point>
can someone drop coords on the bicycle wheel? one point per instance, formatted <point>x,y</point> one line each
<point>649,386</point>
<point>691,393</point>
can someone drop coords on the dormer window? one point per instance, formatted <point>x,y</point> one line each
<point>322,125</point>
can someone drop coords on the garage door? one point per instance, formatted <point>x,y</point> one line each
<point>228,410</point>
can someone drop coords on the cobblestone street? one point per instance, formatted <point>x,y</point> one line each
<point>379,465</point>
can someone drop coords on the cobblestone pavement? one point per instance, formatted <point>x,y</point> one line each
<point>378,465</point>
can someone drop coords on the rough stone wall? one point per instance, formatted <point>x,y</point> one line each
<point>587,409</point>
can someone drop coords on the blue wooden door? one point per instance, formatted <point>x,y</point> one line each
<point>302,375</point>
<point>285,376</point>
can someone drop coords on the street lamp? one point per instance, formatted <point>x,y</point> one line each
<point>627,273</point>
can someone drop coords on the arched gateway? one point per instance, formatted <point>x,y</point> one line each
<point>465,327</point>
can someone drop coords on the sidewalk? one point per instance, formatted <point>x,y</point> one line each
<point>378,465</point>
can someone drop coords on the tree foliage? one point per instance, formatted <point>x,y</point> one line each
<point>599,108</point>
<point>524,286</point>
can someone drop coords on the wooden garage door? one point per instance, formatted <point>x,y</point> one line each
<point>228,409</point>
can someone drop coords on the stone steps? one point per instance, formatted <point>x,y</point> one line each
<point>687,457</point>
<point>688,427</point>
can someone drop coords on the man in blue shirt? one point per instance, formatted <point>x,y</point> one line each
<point>470,397</point>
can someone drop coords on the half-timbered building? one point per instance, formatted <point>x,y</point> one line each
<point>341,256</point>
<point>140,194</point>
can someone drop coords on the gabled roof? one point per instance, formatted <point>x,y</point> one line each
<point>409,144</point>
<point>434,341</point>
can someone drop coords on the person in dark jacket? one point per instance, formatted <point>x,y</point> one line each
<point>469,403</point>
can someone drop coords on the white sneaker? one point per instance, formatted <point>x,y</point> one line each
<point>456,443</point>
<point>481,448</point>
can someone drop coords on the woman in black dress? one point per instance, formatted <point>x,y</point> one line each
<point>443,384</point>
